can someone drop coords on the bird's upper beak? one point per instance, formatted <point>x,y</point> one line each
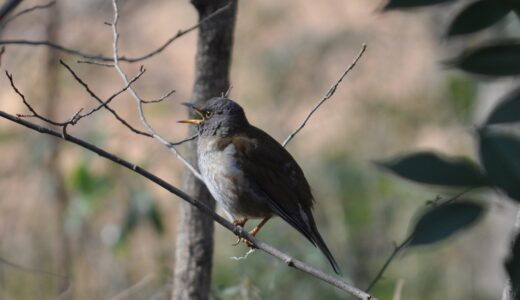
<point>195,109</point>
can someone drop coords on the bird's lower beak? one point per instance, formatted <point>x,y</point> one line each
<point>196,110</point>
<point>191,121</point>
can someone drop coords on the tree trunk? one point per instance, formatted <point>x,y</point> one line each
<point>194,246</point>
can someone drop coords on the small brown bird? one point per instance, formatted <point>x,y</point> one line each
<point>250,174</point>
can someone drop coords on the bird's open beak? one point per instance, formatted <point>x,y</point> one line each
<point>195,109</point>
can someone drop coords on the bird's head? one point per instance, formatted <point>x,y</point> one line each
<point>218,116</point>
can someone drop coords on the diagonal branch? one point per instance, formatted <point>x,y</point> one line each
<point>327,96</point>
<point>237,230</point>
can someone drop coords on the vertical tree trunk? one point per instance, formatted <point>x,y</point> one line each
<point>56,179</point>
<point>194,246</point>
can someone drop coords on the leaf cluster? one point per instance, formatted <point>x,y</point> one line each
<point>498,167</point>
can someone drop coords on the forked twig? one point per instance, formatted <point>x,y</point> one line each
<point>138,100</point>
<point>104,103</point>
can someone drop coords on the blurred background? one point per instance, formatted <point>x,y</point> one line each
<point>66,211</point>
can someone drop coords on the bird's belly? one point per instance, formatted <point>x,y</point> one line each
<point>227,184</point>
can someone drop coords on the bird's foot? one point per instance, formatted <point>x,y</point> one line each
<point>238,241</point>
<point>239,222</point>
<point>252,232</point>
<point>245,241</point>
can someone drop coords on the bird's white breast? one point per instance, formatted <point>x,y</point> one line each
<point>220,173</point>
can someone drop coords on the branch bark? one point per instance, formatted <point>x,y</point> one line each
<point>194,246</point>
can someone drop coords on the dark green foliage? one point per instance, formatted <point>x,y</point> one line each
<point>393,4</point>
<point>89,184</point>
<point>512,265</point>
<point>500,58</point>
<point>141,210</point>
<point>499,151</point>
<point>477,16</point>
<point>432,168</point>
<point>508,111</point>
<point>442,221</point>
<point>500,155</point>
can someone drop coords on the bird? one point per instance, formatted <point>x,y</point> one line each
<point>250,174</point>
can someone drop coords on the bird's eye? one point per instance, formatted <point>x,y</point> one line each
<point>208,114</point>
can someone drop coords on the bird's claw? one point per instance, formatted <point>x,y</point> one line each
<point>249,244</point>
<point>245,241</point>
<point>238,241</point>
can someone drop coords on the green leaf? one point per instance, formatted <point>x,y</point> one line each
<point>443,221</point>
<point>512,265</point>
<point>477,16</point>
<point>393,4</point>
<point>88,184</point>
<point>497,59</point>
<point>432,168</point>
<point>500,155</point>
<point>508,110</point>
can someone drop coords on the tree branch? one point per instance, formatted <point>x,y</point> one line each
<point>99,57</point>
<point>327,96</point>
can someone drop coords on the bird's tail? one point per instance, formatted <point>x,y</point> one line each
<point>317,240</point>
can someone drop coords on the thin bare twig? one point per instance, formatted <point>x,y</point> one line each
<point>397,249</point>
<point>191,138</point>
<point>94,57</point>
<point>104,103</point>
<point>134,288</point>
<point>403,244</point>
<point>327,96</point>
<point>30,270</point>
<point>138,100</point>
<point>79,115</point>
<point>237,230</point>
<point>4,23</point>
<point>159,99</point>
<point>34,113</point>
<point>97,63</point>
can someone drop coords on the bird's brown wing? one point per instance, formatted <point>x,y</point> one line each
<point>275,173</point>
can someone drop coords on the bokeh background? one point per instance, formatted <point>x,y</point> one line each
<point>64,210</point>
